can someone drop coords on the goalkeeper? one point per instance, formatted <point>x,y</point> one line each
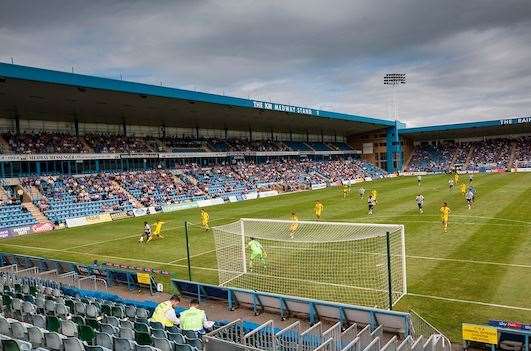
<point>258,254</point>
<point>157,227</point>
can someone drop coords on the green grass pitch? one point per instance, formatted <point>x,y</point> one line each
<point>479,270</point>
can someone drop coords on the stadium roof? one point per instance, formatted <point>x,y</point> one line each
<point>40,94</point>
<point>517,125</point>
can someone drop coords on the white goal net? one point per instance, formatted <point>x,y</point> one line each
<point>353,263</point>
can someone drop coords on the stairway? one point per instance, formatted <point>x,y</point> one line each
<point>513,154</point>
<point>469,156</point>
<point>86,146</point>
<point>130,197</point>
<point>406,164</point>
<point>3,195</point>
<point>35,212</point>
<point>4,146</point>
<point>452,162</point>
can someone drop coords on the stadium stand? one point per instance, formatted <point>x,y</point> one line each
<point>120,144</point>
<point>522,157</point>
<point>157,187</point>
<point>340,146</point>
<point>489,154</point>
<point>14,215</point>
<point>70,197</point>
<point>63,197</point>
<point>48,314</point>
<point>298,146</point>
<point>42,143</point>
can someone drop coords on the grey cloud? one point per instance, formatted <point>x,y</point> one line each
<point>464,59</point>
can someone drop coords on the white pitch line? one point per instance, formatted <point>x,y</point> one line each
<point>454,222</point>
<point>214,269</point>
<point>199,254</point>
<point>469,261</point>
<point>470,302</point>
<point>383,212</point>
<point>134,235</point>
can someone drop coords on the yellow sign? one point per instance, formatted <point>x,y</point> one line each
<point>143,278</point>
<point>480,333</point>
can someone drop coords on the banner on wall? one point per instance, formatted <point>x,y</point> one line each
<point>267,193</point>
<point>76,222</point>
<point>118,215</point>
<point>26,229</point>
<point>318,186</point>
<point>250,196</point>
<point>99,218</point>
<point>178,207</point>
<point>138,212</point>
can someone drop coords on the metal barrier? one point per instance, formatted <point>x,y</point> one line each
<point>288,339</point>
<point>420,326</point>
<point>91,283</point>
<point>262,338</point>
<point>28,272</point>
<point>9,268</point>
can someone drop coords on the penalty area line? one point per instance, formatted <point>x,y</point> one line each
<point>469,302</point>
<point>133,236</point>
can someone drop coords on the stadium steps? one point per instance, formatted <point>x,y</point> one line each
<point>35,193</point>
<point>469,156</point>
<point>35,212</point>
<point>3,195</point>
<point>4,146</point>
<point>130,197</point>
<point>513,154</point>
<point>85,144</point>
<point>332,147</point>
<point>406,164</point>
<point>454,157</point>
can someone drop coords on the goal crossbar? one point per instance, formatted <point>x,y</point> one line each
<point>357,263</point>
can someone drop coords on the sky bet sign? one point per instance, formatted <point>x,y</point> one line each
<point>517,120</point>
<point>284,108</point>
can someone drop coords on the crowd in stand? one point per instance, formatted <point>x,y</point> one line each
<point>120,144</point>
<point>156,187</point>
<point>522,155</point>
<point>494,153</point>
<point>471,156</point>
<point>78,189</point>
<point>43,142</point>
<point>110,192</point>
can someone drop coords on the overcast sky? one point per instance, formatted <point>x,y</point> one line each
<point>465,60</point>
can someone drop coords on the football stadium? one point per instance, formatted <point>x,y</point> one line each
<point>141,217</point>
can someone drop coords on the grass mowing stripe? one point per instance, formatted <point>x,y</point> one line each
<point>134,235</point>
<point>470,302</point>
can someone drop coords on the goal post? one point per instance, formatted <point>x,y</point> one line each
<point>353,263</point>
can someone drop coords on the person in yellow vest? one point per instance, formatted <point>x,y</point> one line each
<point>204,220</point>
<point>456,178</point>
<point>318,209</point>
<point>445,216</point>
<point>462,188</point>
<point>374,194</point>
<point>294,225</point>
<point>157,227</point>
<point>194,319</point>
<point>165,312</point>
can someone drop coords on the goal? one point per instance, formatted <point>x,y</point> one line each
<point>352,263</point>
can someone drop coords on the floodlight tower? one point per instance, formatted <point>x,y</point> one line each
<point>394,149</point>
<point>395,80</point>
